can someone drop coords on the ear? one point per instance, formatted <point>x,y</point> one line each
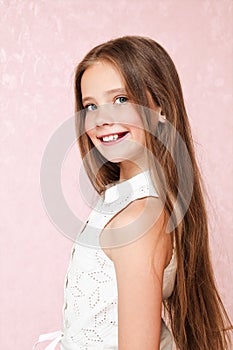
<point>162,117</point>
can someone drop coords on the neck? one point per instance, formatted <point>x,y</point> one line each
<point>129,169</point>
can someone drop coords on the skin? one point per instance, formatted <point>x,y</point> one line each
<point>140,264</point>
<point>109,111</point>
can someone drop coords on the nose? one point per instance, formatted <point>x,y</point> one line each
<point>104,115</point>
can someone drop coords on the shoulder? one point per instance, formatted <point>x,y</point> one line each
<point>138,231</point>
<point>139,208</point>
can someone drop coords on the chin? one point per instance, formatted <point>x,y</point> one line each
<point>130,151</point>
<point>115,160</point>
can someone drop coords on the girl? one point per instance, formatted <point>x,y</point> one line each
<point>137,149</point>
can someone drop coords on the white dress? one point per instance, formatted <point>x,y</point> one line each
<point>90,315</point>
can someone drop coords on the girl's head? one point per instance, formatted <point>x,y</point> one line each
<point>112,123</point>
<point>147,77</point>
<point>145,74</point>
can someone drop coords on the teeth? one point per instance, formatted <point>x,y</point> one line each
<point>110,138</point>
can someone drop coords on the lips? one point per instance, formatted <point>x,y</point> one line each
<point>121,136</point>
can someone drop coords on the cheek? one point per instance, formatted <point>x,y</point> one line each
<point>131,117</point>
<point>140,135</point>
<point>88,126</point>
<point>90,130</point>
<point>137,127</point>
<point>91,135</point>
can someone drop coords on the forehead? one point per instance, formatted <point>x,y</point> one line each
<point>101,76</point>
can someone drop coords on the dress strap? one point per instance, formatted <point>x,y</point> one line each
<point>54,336</point>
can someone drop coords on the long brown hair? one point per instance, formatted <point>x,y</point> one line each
<point>197,316</point>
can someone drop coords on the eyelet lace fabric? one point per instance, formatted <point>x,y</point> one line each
<point>90,311</point>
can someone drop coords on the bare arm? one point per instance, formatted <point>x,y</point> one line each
<point>139,270</point>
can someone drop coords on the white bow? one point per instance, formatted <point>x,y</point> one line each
<point>54,336</point>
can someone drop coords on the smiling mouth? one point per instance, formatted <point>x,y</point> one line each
<point>108,139</point>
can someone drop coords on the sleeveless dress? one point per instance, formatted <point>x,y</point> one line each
<point>90,311</point>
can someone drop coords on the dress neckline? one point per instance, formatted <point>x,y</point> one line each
<point>113,192</point>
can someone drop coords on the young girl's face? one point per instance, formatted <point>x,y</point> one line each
<point>112,122</point>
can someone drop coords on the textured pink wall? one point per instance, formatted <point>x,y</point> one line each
<point>41,42</point>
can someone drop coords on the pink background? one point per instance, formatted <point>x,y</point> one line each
<point>41,43</point>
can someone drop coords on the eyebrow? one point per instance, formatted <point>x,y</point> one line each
<point>107,93</point>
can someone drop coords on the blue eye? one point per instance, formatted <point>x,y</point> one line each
<point>121,100</point>
<point>90,107</point>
